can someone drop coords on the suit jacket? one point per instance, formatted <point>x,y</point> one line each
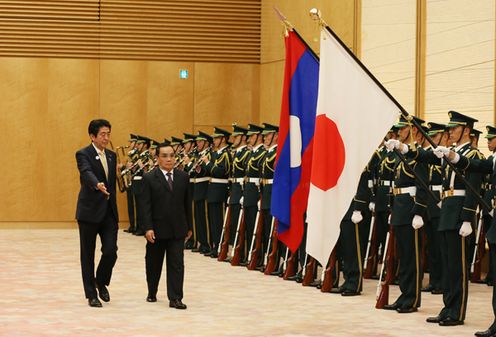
<point>167,212</point>
<point>92,204</point>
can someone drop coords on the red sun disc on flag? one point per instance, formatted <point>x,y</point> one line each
<point>328,154</point>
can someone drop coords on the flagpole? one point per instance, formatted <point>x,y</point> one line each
<point>315,14</point>
<point>289,27</point>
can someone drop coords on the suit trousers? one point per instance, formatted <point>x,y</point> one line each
<point>235,213</point>
<point>107,230</point>
<point>434,253</point>
<point>173,250</point>
<point>216,221</point>
<point>130,208</point>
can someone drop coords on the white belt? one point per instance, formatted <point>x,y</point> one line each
<point>453,193</point>
<point>438,188</point>
<point>238,180</point>
<point>255,181</point>
<point>267,181</point>
<point>191,180</point>
<point>201,180</point>
<point>137,177</point>
<point>385,183</point>
<point>370,183</point>
<point>412,190</point>
<point>219,181</point>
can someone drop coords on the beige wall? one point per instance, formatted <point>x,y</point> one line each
<point>46,104</point>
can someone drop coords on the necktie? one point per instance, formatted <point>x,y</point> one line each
<point>103,159</point>
<point>169,180</point>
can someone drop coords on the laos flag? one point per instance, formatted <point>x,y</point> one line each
<point>296,129</point>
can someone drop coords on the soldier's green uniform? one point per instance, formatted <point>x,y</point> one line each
<point>131,206</point>
<point>267,175</point>
<point>410,199</point>
<point>432,220</point>
<point>201,177</point>
<point>219,168</point>
<point>189,138</point>
<point>458,205</point>
<point>251,191</point>
<point>240,160</point>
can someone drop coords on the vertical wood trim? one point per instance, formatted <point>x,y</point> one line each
<point>357,28</point>
<point>420,58</point>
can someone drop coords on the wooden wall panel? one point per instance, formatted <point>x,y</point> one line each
<point>189,30</point>
<point>226,93</point>
<point>42,107</point>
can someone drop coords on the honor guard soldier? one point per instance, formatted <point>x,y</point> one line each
<point>384,192</point>
<point>270,134</point>
<point>201,178</point>
<point>240,161</point>
<point>485,166</point>
<point>251,192</point>
<point>439,135</point>
<point>185,162</point>
<point>218,167</point>
<point>143,146</point>
<point>409,210</point>
<point>132,155</point>
<point>458,212</point>
<point>349,244</point>
<point>177,144</point>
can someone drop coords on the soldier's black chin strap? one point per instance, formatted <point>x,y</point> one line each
<point>461,134</point>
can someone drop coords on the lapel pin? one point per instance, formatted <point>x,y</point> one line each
<point>97,158</point>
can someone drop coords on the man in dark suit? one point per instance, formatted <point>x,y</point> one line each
<point>96,211</point>
<point>166,219</point>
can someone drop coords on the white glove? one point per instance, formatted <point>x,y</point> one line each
<point>439,204</point>
<point>372,206</point>
<point>491,213</point>
<point>392,144</point>
<point>356,217</point>
<point>389,219</point>
<point>417,222</point>
<point>465,229</point>
<point>441,151</point>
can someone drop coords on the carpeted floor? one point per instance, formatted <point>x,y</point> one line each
<point>42,295</point>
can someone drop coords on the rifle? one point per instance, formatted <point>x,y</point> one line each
<point>256,240</point>
<point>239,239</point>
<point>309,271</point>
<point>289,269</point>
<point>479,251</point>
<point>224,236</point>
<point>270,258</point>
<point>327,277</point>
<point>370,261</point>
<point>382,292</point>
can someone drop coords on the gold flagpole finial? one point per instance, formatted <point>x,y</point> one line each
<point>316,15</point>
<point>288,27</point>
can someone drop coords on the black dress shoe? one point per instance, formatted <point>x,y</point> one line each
<point>406,310</point>
<point>393,306</point>
<point>151,298</point>
<point>243,263</point>
<point>338,290</point>
<point>434,319</point>
<point>436,291</point>
<point>488,333</point>
<point>195,250</point>
<point>177,304</point>
<point>450,322</point>
<point>129,230</point>
<point>139,233</point>
<point>316,284</point>
<point>94,302</point>
<point>103,293</point>
<point>350,293</point>
<point>214,255</point>
<point>276,273</point>
<point>428,289</point>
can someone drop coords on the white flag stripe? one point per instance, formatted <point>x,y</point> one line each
<point>363,114</point>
